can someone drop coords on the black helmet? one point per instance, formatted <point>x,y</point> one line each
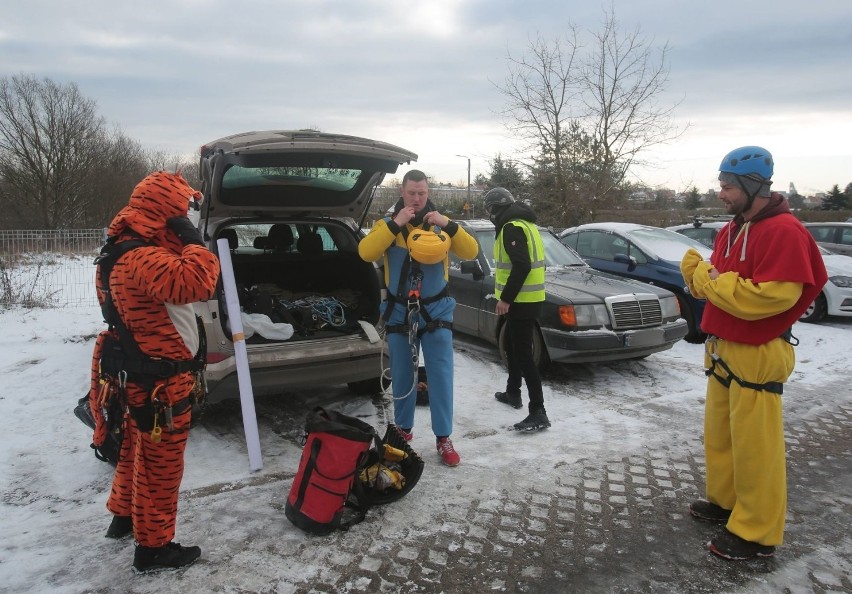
<point>497,197</point>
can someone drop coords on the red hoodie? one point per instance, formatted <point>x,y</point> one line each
<point>773,246</point>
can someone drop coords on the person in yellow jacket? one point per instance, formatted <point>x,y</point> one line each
<point>764,272</point>
<point>519,289</point>
<point>414,243</point>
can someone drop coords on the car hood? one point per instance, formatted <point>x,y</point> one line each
<point>280,177</point>
<point>837,264</point>
<point>577,283</point>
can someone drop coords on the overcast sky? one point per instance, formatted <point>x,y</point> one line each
<point>423,74</point>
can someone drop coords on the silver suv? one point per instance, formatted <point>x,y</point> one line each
<point>291,204</point>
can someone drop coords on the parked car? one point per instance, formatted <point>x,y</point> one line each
<point>647,254</point>
<point>588,316</point>
<point>699,230</point>
<point>836,237</point>
<point>291,204</point>
<point>836,296</point>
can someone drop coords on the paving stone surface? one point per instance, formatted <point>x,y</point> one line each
<point>614,525</point>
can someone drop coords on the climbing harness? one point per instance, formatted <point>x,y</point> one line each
<point>413,299</point>
<point>122,360</point>
<point>124,354</point>
<point>716,360</point>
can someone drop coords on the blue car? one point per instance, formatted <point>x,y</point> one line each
<point>648,254</point>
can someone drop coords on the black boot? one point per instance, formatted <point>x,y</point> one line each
<point>535,421</point>
<point>169,556</point>
<point>513,399</point>
<point>120,527</point>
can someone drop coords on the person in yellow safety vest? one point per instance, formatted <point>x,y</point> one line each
<point>519,289</point>
<point>765,271</point>
<point>414,243</point>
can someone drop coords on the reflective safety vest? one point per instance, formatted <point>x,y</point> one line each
<point>532,290</point>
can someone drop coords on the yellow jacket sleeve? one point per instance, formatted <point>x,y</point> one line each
<point>743,298</point>
<point>691,260</point>
<point>464,245</point>
<point>378,240</point>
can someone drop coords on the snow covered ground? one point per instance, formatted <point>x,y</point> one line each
<point>52,514</point>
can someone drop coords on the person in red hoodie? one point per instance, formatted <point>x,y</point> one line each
<point>147,359</point>
<point>764,272</point>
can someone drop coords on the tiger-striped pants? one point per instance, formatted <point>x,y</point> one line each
<point>147,480</point>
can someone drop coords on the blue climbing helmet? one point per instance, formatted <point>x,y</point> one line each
<point>751,168</point>
<point>753,162</point>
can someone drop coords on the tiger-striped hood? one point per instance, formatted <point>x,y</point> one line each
<point>158,197</point>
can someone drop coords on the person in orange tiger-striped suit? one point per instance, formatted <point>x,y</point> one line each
<point>152,288</point>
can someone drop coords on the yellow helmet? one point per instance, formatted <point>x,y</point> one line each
<point>427,246</point>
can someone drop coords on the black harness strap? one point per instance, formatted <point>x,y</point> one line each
<point>411,270</point>
<point>128,357</point>
<point>158,368</point>
<point>773,387</point>
<point>432,325</point>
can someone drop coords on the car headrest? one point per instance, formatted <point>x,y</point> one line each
<point>280,237</point>
<point>309,243</point>
<point>231,236</point>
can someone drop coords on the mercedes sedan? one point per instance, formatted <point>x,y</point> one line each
<point>589,316</point>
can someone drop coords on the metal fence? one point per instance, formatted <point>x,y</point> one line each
<point>50,268</point>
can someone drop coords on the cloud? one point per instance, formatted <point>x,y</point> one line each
<point>175,74</point>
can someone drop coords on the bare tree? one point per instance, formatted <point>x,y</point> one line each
<point>588,114</point>
<point>121,165</point>
<point>622,81</point>
<point>60,167</point>
<point>50,143</point>
<point>541,89</point>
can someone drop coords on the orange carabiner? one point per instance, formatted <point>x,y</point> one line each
<point>103,395</point>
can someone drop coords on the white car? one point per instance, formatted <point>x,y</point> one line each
<point>836,296</point>
<point>700,230</point>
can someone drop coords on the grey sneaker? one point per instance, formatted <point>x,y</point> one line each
<point>536,421</point>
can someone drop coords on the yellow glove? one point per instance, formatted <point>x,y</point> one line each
<point>690,260</point>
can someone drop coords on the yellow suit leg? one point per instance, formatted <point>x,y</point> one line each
<point>718,452</point>
<point>744,441</point>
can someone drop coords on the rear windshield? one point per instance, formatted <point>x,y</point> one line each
<point>331,178</point>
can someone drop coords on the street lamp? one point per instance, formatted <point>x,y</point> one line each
<point>472,213</point>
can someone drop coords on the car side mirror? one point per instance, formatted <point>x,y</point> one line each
<point>472,267</point>
<point>625,259</point>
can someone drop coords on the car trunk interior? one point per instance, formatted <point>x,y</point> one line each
<point>320,292</point>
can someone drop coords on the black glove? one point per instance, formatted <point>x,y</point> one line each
<point>185,230</point>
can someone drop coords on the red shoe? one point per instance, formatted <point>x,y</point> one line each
<point>448,453</point>
<point>406,435</point>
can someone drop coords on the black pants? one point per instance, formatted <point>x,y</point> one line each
<point>519,334</point>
